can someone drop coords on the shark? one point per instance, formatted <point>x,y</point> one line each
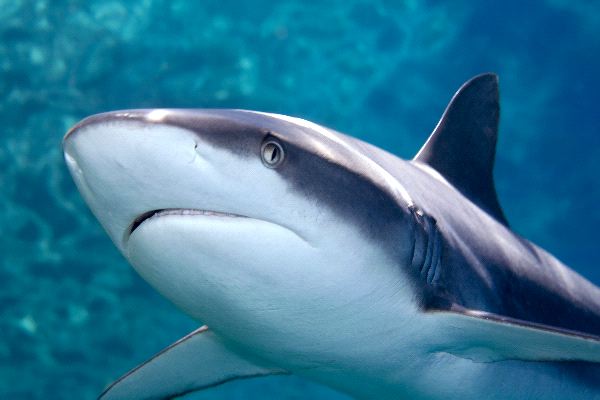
<point>309,252</point>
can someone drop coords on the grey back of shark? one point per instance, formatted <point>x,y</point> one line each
<point>496,316</point>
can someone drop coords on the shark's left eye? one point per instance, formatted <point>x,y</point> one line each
<point>272,153</point>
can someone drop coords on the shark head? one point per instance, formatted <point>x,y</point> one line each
<point>304,252</point>
<point>245,220</point>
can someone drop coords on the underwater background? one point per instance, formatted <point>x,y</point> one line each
<point>74,316</point>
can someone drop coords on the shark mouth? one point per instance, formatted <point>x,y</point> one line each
<point>178,211</point>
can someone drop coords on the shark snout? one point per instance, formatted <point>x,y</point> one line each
<point>126,164</point>
<point>133,164</point>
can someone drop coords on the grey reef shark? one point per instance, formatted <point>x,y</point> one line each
<point>309,252</point>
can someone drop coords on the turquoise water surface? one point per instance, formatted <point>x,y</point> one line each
<point>74,315</point>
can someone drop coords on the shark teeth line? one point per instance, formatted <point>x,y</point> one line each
<point>178,211</point>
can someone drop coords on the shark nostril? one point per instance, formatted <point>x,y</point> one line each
<point>196,153</point>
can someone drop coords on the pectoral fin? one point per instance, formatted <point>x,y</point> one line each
<point>486,337</point>
<point>198,361</point>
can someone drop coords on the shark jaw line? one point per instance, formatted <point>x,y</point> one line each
<point>196,213</point>
<point>178,212</point>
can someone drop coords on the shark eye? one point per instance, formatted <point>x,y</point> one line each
<point>272,154</point>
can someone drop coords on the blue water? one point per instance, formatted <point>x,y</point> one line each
<point>73,315</point>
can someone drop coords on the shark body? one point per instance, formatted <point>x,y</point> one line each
<point>310,252</point>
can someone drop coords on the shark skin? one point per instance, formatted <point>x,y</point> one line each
<point>309,252</point>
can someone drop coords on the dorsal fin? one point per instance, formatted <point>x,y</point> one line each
<point>462,147</point>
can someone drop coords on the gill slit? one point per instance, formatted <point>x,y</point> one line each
<point>428,239</point>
